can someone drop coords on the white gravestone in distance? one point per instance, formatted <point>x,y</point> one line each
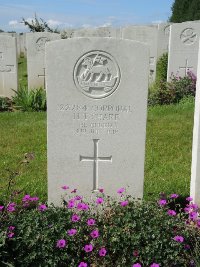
<point>183,48</point>
<point>163,38</point>
<point>8,65</point>
<point>97,101</point>
<point>148,35</point>
<point>98,32</point>
<point>35,43</point>
<point>195,171</point>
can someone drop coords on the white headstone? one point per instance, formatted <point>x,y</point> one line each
<point>35,43</point>
<point>183,48</point>
<point>98,32</point>
<point>8,66</point>
<point>148,35</point>
<point>97,101</point>
<point>163,38</point>
<point>195,172</point>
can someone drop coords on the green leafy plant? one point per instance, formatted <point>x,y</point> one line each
<point>118,231</point>
<point>33,100</point>
<point>5,104</point>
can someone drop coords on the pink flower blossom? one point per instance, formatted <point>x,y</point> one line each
<point>74,190</point>
<point>137,265</point>
<point>189,198</point>
<point>193,215</point>
<point>10,234</point>
<point>154,265</point>
<point>94,234</point>
<point>82,264</point>
<point>88,248</point>
<point>99,200</point>
<point>102,252</point>
<point>75,218</point>
<point>71,204</point>
<point>72,232</point>
<point>91,222</point>
<point>78,197</point>
<point>101,190</point>
<point>11,228</point>
<point>26,198</point>
<point>162,202</point>
<point>1,208</point>
<point>171,212</point>
<point>121,190</point>
<point>173,196</point>
<point>179,239</point>
<point>34,198</point>
<point>61,243</point>
<point>135,253</point>
<point>11,207</point>
<point>65,187</point>
<point>42,207</point>
<point>124,203</point>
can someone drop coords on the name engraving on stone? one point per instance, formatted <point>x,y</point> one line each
<point>96,119</point>
<point>97,74</point>
<point>96,159</point>
<point>188,36</point>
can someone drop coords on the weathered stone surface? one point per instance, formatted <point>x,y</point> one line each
<point>195,173</point>
<point>35,43</point>
<point>97,102</point>
<point>98,32</point>
<point>148,35</point>
<point>163,38</point>
<point>183,48</point>
<point>8,65</point>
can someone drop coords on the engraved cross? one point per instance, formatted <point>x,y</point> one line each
<point>43,75</point>
<point>95,159</point>
<point>186,68</point>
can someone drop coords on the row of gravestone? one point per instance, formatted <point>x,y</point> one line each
<point>181,40</point>
<point>97,103</point>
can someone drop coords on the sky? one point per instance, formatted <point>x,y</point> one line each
<point>83,13</point>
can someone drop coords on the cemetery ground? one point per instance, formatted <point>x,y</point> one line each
<point>168,148</point>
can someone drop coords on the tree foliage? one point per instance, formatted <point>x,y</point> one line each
<point>185,10</point>
<point>38,25</point>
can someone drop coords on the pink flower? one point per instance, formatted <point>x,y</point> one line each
<point>82,264</point>
<point>11,228</point>
<point>82,206</point>
<point>136,265</point>
<point>172,196</point>
<point>10,235</point>
<point>162,202</point>
<point>88,248</point>
<point>34,198</point>
<point>75,218</point>
<point>193,215</point>
<point>91,222</point>
<point>154,265</point>
<point>102,252</point>
<point>99,200</point>
<point>135,253</point>
<point>101,190</point>
<point>11,207</point>
<point>72,232</point>
<point>42,207</point>
<point>85,206</point>
<point>71,204</point>
<point>121,190</point>
<point>94,234</point>
<point>65,187</point>
<point>171,212</point>
<point>26,198</point>
<point>78,197</point>
<point>1,208</point>
<point>124,203</point>
<point>189,198</point>
<point>74,190</point>
<point>61,243</point>
<point>179,239</point>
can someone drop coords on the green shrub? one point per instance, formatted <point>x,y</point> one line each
<point>122,232</point>
<point>33,100</point>
<point>173,91</point>
<point>5,104</point>
<point>161,68</point>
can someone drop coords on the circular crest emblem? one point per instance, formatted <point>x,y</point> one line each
<point>97,74</point>
<point>40,43</point>
<point>188,36</point>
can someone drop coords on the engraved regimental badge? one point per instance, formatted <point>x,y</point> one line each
<point>40,43</point>
<point>97,74</point>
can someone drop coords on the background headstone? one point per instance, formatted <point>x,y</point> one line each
<point>183,48</point>
<point>97,101</point>
<point>148,35</point>
<point>8,65</point>
<point>35,43</point>
<point>163,38</point>
<point>195,172</point>
<point>98,32</point>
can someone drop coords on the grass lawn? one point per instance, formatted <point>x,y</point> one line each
<point>168,148</point>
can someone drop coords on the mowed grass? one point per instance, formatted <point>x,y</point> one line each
<point>168,150</point>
